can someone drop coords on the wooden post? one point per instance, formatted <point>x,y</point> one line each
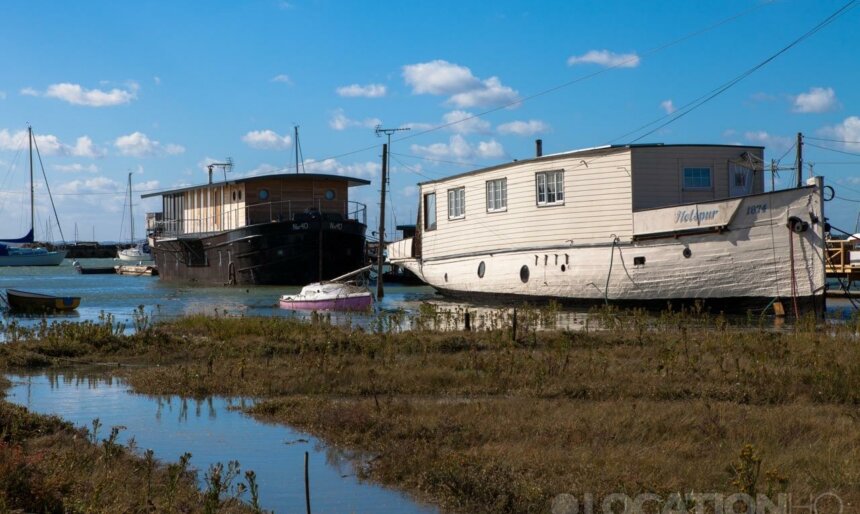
<point>380,259</point>
<point>514,326</point>
<point>307,486</point>
<point>468,322</point>
<point>799,159</point>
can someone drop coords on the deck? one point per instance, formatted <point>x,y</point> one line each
<point>839,263</point>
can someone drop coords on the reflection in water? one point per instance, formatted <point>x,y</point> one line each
<point>213,430</point>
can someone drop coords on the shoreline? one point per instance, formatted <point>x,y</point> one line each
<point>481,422</point>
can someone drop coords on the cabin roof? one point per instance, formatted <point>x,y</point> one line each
<point>287,177</point>
<point>581,151</point>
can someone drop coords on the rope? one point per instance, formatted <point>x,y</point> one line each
<point>608,275</point>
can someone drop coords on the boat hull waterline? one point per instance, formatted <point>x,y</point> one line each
<point>27,302</point>
<point>756,257</point>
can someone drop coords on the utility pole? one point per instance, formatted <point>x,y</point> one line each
<point>385,158</point>
<point>380,259</point>
<point>772,175</point>
<point>296,145</point>
<point>799,159</point>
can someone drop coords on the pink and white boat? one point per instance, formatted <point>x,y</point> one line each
<point>330,296</point>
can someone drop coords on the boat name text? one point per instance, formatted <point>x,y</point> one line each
<point>693,215</point>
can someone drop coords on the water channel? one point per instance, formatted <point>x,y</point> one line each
<point>213,430</point>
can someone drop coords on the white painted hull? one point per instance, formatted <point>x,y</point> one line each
<point>37,259</point>
<point>134,255</point>
<point>747,257</point>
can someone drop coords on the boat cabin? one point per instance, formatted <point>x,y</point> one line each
<point>233,204</point>
<point>580,197</point>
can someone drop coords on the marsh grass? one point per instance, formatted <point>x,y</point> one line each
<point>497,420</point>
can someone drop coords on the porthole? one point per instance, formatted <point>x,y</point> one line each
<point>329,194</point>
<point>481,269</point>
<point>687,253</point>
<point>524,273</point>
<point>563,267</point>
<point>264,194</point>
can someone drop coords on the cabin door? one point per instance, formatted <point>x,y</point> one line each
<point>740,180</point>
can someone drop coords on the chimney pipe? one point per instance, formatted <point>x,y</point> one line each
<point>210,173</point>
<point>539,147</point>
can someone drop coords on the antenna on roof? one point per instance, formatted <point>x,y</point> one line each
<point>227,165</point>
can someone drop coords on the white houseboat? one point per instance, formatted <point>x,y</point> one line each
<point>634,223</point>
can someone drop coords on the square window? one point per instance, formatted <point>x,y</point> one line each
<point>697,178</point>
<point>549,187</point>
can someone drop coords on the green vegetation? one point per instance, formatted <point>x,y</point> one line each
<point>486,422</point>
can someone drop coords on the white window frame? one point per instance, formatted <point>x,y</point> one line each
<point>427,225</point>
<point>457,203</point>
<point>694,186</point>
<point>497,195</point>
<point>549,188</point>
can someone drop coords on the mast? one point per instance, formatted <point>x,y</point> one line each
<point>130,211</point>
<point>32,201</point>
<point>296,145</point>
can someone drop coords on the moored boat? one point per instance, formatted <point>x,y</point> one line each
<point>341,293</point>
<point>27,302</point>
<point>99,270</point>
<point>645,225</point>
<point>24,256</point>
<point>329,297</point>
<point>283,229</point>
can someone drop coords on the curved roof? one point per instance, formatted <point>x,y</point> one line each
<point>288,177</point>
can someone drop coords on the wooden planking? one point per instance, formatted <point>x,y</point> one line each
<point>597,205</point>
<point>658,172</point>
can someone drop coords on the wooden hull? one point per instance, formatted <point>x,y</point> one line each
<point>752,260</point>
<point>23,301</point>
<point>277,253</point>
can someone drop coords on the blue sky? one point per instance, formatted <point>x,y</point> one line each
<point>163,88</point>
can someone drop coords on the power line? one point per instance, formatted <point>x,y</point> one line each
<point>590,75</point>
<point>833,149</point>
<point>832,140</point>
<point>702,100</point>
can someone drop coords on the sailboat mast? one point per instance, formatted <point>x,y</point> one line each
<point>130,211</point>
<point>32,189</point>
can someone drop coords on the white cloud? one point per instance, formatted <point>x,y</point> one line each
<point>464,122</point>
<point>49,144</point>
<point>340,121</point>
<point>668,106</point>
<point>458,148</point>
<point>75,168</point>
<point>441,77</point>
<point>333,166</point>
<point>605,58</point>
<point>84,147</point>
<point>766,139</point>
<point>368,91</point>
<point>848,131</point>
<point>491,92</point>
<point>283,79</point>
<point>138,144</point>
<point>523,128</point>
<point>77,95</point>
<point>817,99</point>
<point>267,140</point>
<point>29,91</point>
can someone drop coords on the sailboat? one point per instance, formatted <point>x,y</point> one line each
<point>139,252</point>
<point>20,256</point>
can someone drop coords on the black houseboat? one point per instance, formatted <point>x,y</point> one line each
<point>286,229</point>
